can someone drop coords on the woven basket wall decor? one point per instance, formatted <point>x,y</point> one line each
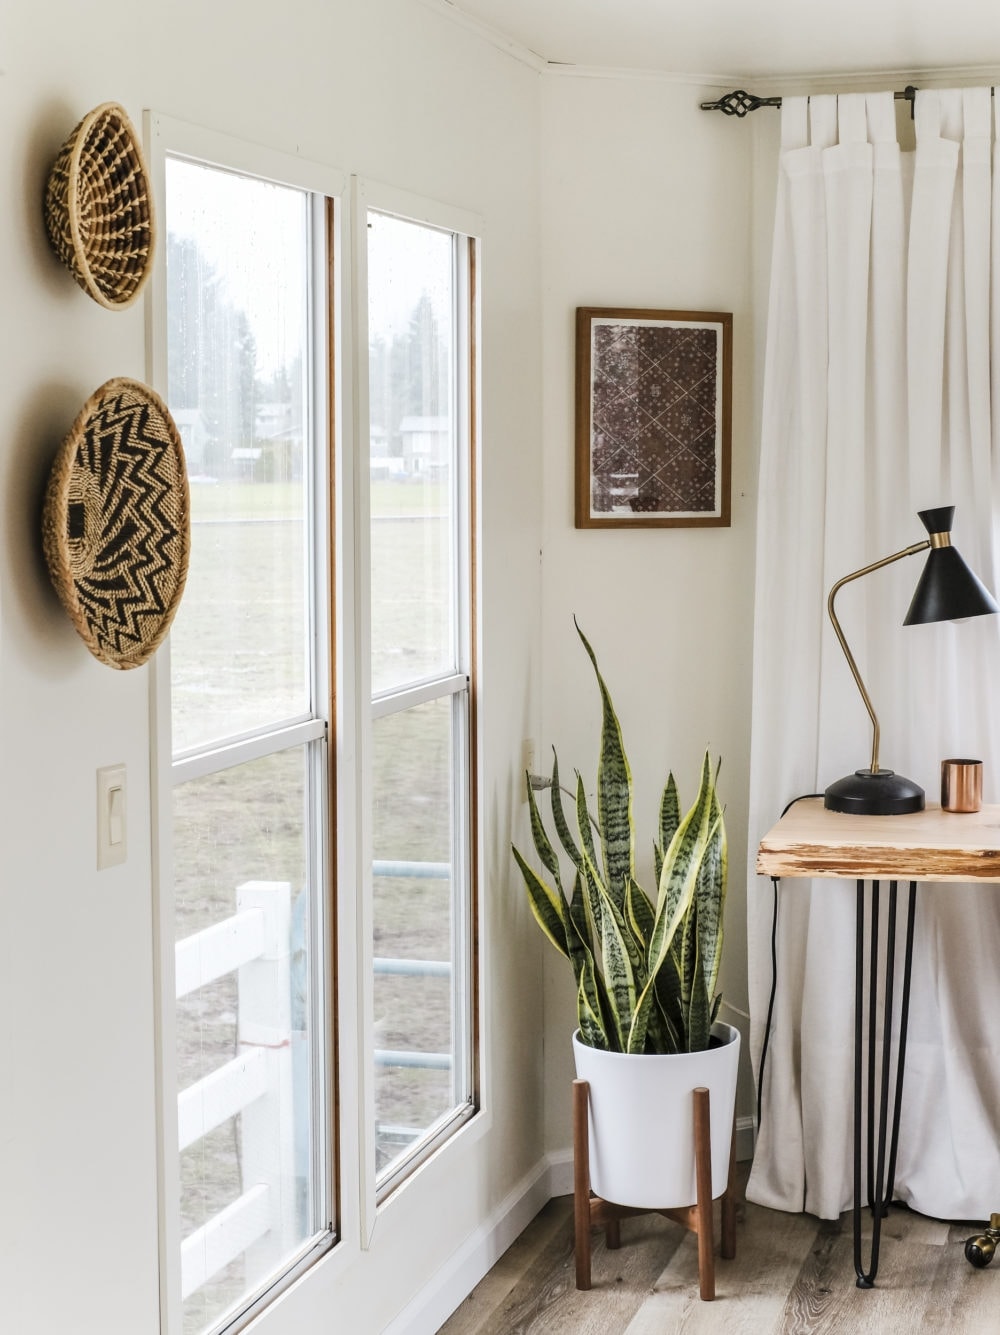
<point>99,208</point>
<point>117,524</point>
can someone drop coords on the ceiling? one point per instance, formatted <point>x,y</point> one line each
<point>750,38</point>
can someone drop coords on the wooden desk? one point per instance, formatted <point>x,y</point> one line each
<point>930,845</point>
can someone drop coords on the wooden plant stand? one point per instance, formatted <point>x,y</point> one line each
<point>591,1211</point>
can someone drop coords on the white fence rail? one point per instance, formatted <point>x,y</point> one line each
<point>256,943</point>
<point>257,1083</point>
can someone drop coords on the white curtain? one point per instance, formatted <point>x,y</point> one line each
<point>881,398</point>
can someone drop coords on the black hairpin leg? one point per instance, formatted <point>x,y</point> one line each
<point>880,1174</point>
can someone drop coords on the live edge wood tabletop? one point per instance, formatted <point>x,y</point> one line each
<point>929,845</point>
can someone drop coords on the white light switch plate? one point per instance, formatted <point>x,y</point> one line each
<point>111,824</point>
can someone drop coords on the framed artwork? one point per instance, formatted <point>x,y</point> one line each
<point>653,418</point>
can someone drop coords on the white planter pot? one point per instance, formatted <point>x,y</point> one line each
<point>642,1120</point>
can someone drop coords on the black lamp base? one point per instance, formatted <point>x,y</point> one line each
<point>882,793</point>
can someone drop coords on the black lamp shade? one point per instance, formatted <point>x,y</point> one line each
<point>948,590</point>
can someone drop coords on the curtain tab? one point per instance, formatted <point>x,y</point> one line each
<point>927,114</point>
<point>852,123</point>
<point>976,112</point>
<point>794,123</point>
<point>951,114</point>
<point>823,121</point>
<point>881,109</point>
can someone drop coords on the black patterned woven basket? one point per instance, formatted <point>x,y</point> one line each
<point>117,524</point>
<point>99,209</point>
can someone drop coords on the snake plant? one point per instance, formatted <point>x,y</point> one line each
<point>646,968</point>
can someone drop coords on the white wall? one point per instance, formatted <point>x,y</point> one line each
<point>645,203</point>
<point>394,92</point>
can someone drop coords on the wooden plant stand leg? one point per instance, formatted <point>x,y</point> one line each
<point>590,1211</point>
<point>703,1179</point>
<point>581,1183</point>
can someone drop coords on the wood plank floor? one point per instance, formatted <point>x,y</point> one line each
<point>793,1275</point>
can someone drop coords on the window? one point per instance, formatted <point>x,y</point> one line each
<point>246,819</point>
<point>420,304</point>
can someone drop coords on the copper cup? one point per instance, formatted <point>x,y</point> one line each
<point>961,785</point>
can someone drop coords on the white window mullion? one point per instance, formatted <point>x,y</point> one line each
<point>363,954</point>
<point>244,750</point>
<point>420,694</point>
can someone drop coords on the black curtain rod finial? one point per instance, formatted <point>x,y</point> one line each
<point>740,103</point>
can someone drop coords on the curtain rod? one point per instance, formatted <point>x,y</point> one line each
<point>740,103</point>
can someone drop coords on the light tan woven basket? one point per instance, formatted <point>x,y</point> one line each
<point>99,209</point>
<point>116,526</point>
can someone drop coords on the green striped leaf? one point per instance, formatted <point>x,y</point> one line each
<point>681,864</point>
<point>639,914</point>
<point>668,996</point>
<point>559,817</point>
<point>710,896</point>
<point>687,953</point>
<point>639,1028</point>
<point>580,937</point>
<point>670,1029</point>
<point>588,1009</point>
<point>670,814</point>
<point>603,903</point>
<point>584,824</point>
<point>618,975</point>
<point>699,1022</point>
<point>588,858</point>
<point>543,847</point>
<point>614,793</point>
<point>548,906</point>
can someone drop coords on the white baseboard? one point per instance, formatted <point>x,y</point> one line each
<point>561,1173</point>
<point>552,1176</point>
<point>745,1139</point>
<point>436,1301</point>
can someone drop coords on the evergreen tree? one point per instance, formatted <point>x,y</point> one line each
<point>212,353</point>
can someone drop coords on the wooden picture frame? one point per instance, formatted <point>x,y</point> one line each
<point>653,418</point>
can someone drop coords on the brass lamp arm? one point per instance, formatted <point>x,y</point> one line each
<point>857,574</point>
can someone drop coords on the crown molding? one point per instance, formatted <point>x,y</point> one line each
<point>763,85</point>
<point>956,76</point>
<point>682,77</point>
<point>450,11</point>
<point>774,85</point>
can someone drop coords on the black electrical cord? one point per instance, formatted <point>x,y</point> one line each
<point>774,973</point>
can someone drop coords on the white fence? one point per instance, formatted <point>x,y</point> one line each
<point>257,943</point>
<point>257,1082</point>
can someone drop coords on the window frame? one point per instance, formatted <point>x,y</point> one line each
<point>327,188</point>
<point>467,229</point>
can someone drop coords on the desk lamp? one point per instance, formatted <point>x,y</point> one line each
<point>947,591</point>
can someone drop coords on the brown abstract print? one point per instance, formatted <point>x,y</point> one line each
<point>654,428</point>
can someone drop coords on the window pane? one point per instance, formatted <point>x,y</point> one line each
<point>412,448</point>
<point>419,1075</point>
<point>242,887</point>
<point>237,280</point>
